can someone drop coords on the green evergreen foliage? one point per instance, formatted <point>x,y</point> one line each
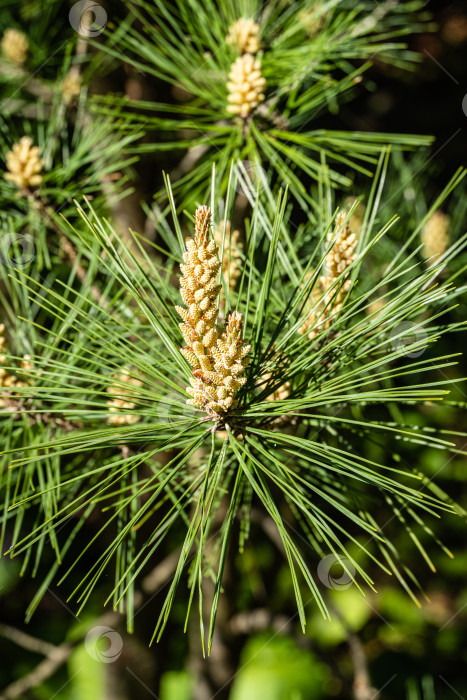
<point>312,54</point>
<point>345,446</point>
<point>347,381</point>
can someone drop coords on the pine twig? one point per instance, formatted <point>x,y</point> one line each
<point>55,656</point>
<point>29,82</point>
<point>257,620</point>
<point>362,688</point>
<point>22,639</point>
<point>160,574</point>
<point>46,668</point>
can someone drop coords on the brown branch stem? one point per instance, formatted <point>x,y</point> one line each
<point>46,668</point>
<point>22,639</point>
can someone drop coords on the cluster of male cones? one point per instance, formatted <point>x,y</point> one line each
<point>246,84</point>
<point>325,300</point>
<point>217,353</point>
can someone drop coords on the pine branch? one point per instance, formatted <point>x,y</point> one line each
<point>46,668</point>
<point>26,641</point>
<point>55,657</point>
<point>362,688</point>
<point>167,470</point>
